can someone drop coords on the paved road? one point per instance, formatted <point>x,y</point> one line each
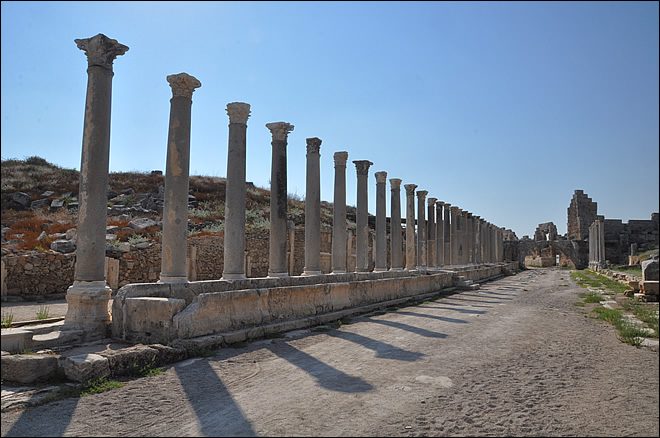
<point>514,358</point>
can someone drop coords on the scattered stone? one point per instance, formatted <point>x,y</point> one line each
<point>142,223</point>
<point>85,367</point>
<point>28,368</point>
<point>47,194</point>
<point>43,236</point>
<point>40,203</point>
<point>56,204</point>
<point>111,229</point>
<point>63,246</point>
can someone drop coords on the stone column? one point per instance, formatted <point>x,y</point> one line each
<point>362,219</point>
<point>173,268</point>
<point>477,239</point>
<point>381,238</point>
<point>410,226</point>
<point>395,225</point>
<point>430,233</point>
<point>602,258</point>
<point>421,229</point>
<point>453,241</point>
<point>469,257</point>
<point>278,199</point>
<point>89,295</point>
<point>313,209</point>
<point>439,235</point>
<point>447,232</point>
<point>339,215</point>
<point>234,241</point>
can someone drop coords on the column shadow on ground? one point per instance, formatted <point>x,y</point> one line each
<point>217,412</point>
<point>477,312</point>
<point>441,318</point>
<point>410,328</point>
<point>25,425</point>
<point>383,350</point>
<point>327,377</point>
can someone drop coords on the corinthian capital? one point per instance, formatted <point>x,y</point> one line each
<point>381,177</point>
<point>362,166</point>
<point>279,130</point>
<point>340,158</point>
<point>238,112</point>
<point>410,189</point>
<point>431,201</point>
<point>421,194</point>
<point>183,85</point>
<point>101,50</point>
<point>395,184</point>
<point>313,145</point>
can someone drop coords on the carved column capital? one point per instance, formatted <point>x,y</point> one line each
<point>439,204</point>
<point>279,130</point>
<point>238,112</point>
<point>340,158</point>
<point>421,194</point>
<point>313,145</point>
<point>410,189</point>
<point>395,184</point>
<point>381,177</point>
<point>101,50</point>
<point>183,85</point>
<point>362,166</point>
<point>431,201</point>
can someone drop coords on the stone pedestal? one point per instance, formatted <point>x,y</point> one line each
<point>430,233</point>
<point>410,227</point>
<point>313,209</point>
<point>88,297</point>
<point>395,225</point>
<point>421,229</point>
<point>175,208</point>
<point>339,215</point>
<point>380,243</point>
<point>278,199</point>
<point>234,241</point>
<point>362,219</point>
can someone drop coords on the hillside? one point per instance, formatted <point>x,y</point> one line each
<point>38,196</point>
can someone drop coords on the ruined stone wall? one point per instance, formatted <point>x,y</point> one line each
<point>581,214</point>
<point>572,253</point>
<point>35,275</point>
<point>619,236</point>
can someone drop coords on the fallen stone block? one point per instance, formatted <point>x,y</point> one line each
<point>28,368</point>
<point>85,367</point>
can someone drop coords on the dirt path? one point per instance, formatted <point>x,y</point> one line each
<point>515,358</point>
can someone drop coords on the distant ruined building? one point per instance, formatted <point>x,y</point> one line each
<point>611,241</point>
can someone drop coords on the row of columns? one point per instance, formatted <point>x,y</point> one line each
<point>449,237</point>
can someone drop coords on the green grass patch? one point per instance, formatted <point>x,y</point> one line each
<point>626,331</point>
<point>644,313</point>
<point>7,319</point>
<point>207,352</point>
<point>146,370</point>
<point>591,297</point>
<point>43,312</point>
<point>579,303</point>
<point>345,320</point>
<point>96,386</point>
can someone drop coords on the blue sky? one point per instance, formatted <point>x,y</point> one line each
<point>500,108</point>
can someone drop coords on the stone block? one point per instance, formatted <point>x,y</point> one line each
<point>129,361</point>
<point>85,367</point>
<point>28,368</point>
<point>649,287</point>
<point>650,270</point>
<point>15,340</point>
<point>150,319</point>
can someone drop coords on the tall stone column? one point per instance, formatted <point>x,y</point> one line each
<point>313,208</point>
<point>421,229</point>
<point>439,235</point>
<point>395,225</point>
<point>362,219</point>
<point>89,295</point>
<point>430,233</point>
<point>477,239</point>
<point>453,241</point>
<point>410,226</point>
<point>447,232</point>
<point>234,241</point>
<point>339,215</point>
<point>173,268</point>
<point>602,258</point>
<point>278,199</point>
<point>381,236</point>
<point>469,257</point>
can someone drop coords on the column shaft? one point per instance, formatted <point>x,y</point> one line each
<point>381,238</point>
<point>410,226</point>
<point>395,225</point>
<point>439,235</point>
<point>339,215</point>
<point>447,232</point>
<point>234,241</point>
<point>421,229</point>
<point>430,233</point>
<point>313,209</point>
<point>362,219</point>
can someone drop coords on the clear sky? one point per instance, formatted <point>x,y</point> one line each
<point>500,108</point>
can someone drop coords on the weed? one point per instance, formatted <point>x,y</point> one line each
<point>207,352</point>
<point>90,387</point>
<point>43,312</point>
<point>239,344</point>
<point>147,370</point>
<point>7,319</point>
<point>321,329</point>
<point>137,238</point>
<point>275,336</point>
<point>579,303</point>
<point>345,320</point>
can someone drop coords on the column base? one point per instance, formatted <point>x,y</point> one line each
<point>277,274</point>
<point>338,271</point>
<point>310,273</point>
<point>380,269</point>
<point>233,276</point>
<point>178,279</point>
<point>87,308</point>
<point>396,269</point>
